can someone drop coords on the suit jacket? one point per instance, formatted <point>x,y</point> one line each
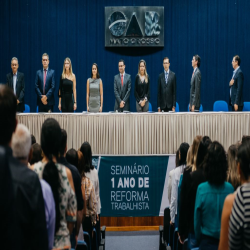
<point>49,86</point>
<point>195,90</point>
<point>122,93</point>
<point>166,92</point>
<point>30,222</point>
<point>20,88</point>
<point>237,89</point>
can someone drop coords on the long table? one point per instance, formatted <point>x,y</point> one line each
<point>142,133</point>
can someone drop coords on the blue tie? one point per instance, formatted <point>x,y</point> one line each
<point>166,77</point>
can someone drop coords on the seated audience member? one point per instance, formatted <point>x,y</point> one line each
<point>21,146</point>
<point>185,227</point>
<point>232,175</point>
<point>210,197</point>
<point>182,155</point>
<point>61,182</point>
<point>72,157</point>
<point>245,138</point>
<point>77,185</point>
<point>33,139</point>
<point>239,225</point>
<point>36,153</point>
<point>28,224</point>
<point>91,203</point>
<point>92,174</point>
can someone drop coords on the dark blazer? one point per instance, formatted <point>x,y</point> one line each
<point>237,89</point>
<point>142,90</point>
<point>49,86</point>
<point>122,93</point>
<point>77,181</point>
<point>190,183</point>
<point>20,88</point>
<point>166,91</point>
<point>30,222</point>
<point>195,90</point>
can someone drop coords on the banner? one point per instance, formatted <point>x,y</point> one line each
<point>132,185</point>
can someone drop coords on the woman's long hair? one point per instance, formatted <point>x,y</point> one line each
<point>232,174</point>
<point>87,157</point>
<point>50,143</point>
<point>70,68</point>
<point>145,72</point>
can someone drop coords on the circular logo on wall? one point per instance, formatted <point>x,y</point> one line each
<point>117,23</point>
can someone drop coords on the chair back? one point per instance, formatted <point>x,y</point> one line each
<point>246,106</point>
<point>177,107</point>
<point>26,108</point>
<point>220,106</point>
<point>149,107</point>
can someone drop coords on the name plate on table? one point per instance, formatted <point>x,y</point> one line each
<point>130,26</point>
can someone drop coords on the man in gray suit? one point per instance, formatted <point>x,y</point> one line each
<point>122,87</point>
<point>195,88</point>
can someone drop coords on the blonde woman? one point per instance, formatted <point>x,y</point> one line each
<point>142,88</point>
<point>94,96</point>
<point>67,88</point>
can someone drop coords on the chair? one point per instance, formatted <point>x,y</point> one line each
<point>37,109</point>
<point>95,241</point>
<point>220,106</point>
<point>149,107</point>
<point>185,245</point>
<point>87,239</point>
<point>161,240</point>
<point>246,106</point>
<point>26,108</point>
<point>177,107</point>
<point>81,245</point>
<point>200,110</point>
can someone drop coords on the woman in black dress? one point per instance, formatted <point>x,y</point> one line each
<point>142,88</point>
<point>67,88</point>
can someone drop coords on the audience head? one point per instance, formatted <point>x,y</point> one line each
<point>189,156</point>
<point>215,164</point>
<point>8,106</point>
<point>33,139</point>
<point>243,159</point>
<point>87,157</point>
<point>63,145</point>
<point>196,143</point>
<point>245,138</point>
<point>177,158</point>
<point>95,71</point>
<point>202,151</point>
<point>21,143</point>
<point>37,153</point>
<point>50,142</point>
<point>72,157</point>
<point>183,149</point>
<point>142,69</point>
<point>232,175</point>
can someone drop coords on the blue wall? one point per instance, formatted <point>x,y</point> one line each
<point>215,29</point>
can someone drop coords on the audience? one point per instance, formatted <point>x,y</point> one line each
<point>25,211</point>
<point>185,226</point>
<point>60,180</point>
<point>210,198</point>
<point>232,175</point>
<point>37,154</point>
<point>77,185</point>
<point>21,146</point>
<point>182,155</point>
<point>33,139</point>
<point>239,225</point>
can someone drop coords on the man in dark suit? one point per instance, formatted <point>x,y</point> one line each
<point>45,86</point>
<point>166,88</point>
<point>195,86</point>
<point>15,80</point>
<point>236,86</point>
<point>122,87</point>
<point>27,204</point>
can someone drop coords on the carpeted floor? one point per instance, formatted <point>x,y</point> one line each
<point>136,240</point>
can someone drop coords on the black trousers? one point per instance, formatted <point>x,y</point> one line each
<point>45,108</point>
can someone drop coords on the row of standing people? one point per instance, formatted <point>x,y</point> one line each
<point>166,97</point>
<point>201,199</point>
<point>47,214</point>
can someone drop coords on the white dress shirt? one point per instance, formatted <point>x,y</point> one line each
<point>14,82</point>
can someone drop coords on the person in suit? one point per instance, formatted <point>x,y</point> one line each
<point>166,88</point>
<point>45,86</point>
<point>27,204</point>
<point>195,88</point>
<point>15,80</point>
<point>122,87</point>
<point>236,86</point>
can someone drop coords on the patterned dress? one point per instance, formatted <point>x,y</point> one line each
<point>67,205</point>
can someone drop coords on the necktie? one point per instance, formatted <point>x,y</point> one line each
<point>166,77</point>
<point>122,79</point>
<point>44,81</point>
